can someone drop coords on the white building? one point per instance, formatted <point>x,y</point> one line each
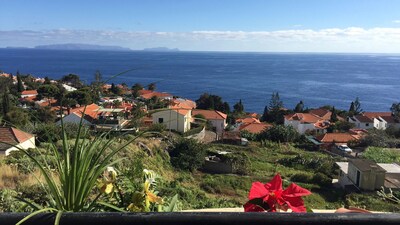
<point>305,122</point>
<point>216,118</point>
<point>174,119</point>
<point>13,139</point>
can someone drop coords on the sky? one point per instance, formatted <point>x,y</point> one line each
<point>360,26</point>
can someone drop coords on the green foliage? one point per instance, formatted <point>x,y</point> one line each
<point>213,102</point>
<point>340,126</point>
<point>274,112</point>
<point>157,127</point>
<point>299,107</point>
<point>238,108</point>
<point>188,154</point>
<point>48,91</point>
<point>382,155</point>
<point>20,86</point>
<point>151,87</point>
<point>279,133</point>
<point>309,162</point>
<point>44,115</point>
<point>371,202</point>
<point>18,117</point>
<point>6,106</point>
<point>379,138</point>
<point>334,117</point>
<point>73,80</point>
<point>82,97</point>
<point>249,136</point>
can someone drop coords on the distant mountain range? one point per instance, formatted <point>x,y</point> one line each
<point>72,46</point>
<point>82,47</point>
<point>161,49</point>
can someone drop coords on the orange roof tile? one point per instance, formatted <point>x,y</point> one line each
<point>255,128</point>
<point>210,114</point>
<point>91,111</point>
<point>323,113</point>
<point>29,92</point>
<point>303,117</point>
<point>155,94</point>
<point>248,120</point>
<point>336,137</point>
<point>372,115</point>
<point>12,136</point>
<point>182,103</point>
<point>183,112</point>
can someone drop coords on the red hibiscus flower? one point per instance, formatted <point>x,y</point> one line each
<point>271,197</point>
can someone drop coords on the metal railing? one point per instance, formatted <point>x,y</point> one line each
<point>205,218</point>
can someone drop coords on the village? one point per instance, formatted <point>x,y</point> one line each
<point>120,109</point>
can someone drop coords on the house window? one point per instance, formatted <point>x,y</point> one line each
<point>367,124</point>
<point>160,120</point>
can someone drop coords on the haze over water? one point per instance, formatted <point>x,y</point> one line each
<point>317,79</point>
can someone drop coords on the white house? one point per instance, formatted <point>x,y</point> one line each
<point>69,88</point>
<point>12,139</point>
<point>216,118</point>
<point>174,119</point>
<point>362,122</point>
<point>304,122</point>
<point>29,93</point>
<point>89,115</point>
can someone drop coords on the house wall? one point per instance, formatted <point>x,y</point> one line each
<point>30,143</point>
<point>219,125</point>
<point>173,120</point>
<point>380,125</point>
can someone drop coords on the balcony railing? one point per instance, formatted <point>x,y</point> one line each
<point>204,218</point>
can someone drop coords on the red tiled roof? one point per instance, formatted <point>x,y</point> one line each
<point>372,115</point>
<point>336,137</point>
<point>13,136</point>
<point>323,113</point>
<point>363,119</point>
<point>155,94</point>
<point>91,111</point>
<point>389,119</point>
<point>29,92</point>
<point>183,103</point>
<point>303,117</point>
<point>210,114</point>
<point>247,120</point>
<point>255,128</point>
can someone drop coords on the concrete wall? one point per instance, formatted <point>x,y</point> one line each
<point>173,120</point>
<point>217,167</point>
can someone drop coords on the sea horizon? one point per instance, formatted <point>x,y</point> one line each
<point>249,76</point>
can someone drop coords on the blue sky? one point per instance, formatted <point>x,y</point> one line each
<point>221,25</point>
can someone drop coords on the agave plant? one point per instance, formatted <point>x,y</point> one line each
<point>74,172</point>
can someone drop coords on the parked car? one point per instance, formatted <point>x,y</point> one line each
<point>345,148</point>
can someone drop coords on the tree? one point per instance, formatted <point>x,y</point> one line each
<point>333,118</point>
<point>299,107</point>
<point>395,109</point>
<point>212,102</point>
<point>48,91</point>
<point>135,89</point>
<point>44,114</point>
<point>280,133</point>
<point>20,85</point>
<point>81,97</point>
<point>98,78</point>
<point>47,80</point>
<point>238,108</point>
<point>6,102</point>
<point>188,154</point>
<point>17,117</point>
<point>152,86</point>
<point>73,80</point>
<point>274,112</point>
<point>355,108</point>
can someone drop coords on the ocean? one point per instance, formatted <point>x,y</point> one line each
<point>316,78</point>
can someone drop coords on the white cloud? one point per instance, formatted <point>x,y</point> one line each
<point>351,39</point>
<point>396,21</point>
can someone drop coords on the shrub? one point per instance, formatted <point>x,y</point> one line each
<point>321,179</point>
<point>280,133</point>
<point>188,154</point>
<point>301,177</point>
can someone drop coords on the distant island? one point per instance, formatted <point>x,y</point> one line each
<point>82,47</point>
<point>161,49</point>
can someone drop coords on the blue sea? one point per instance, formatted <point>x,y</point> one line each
<point>317,79</point>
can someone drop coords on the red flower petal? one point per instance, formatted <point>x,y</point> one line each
<point>296,204</point>
<point>295,191</point>
<point>257,190</point>
<point>249,207</point>
<point>275,184</point>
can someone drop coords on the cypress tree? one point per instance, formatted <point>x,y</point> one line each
<point>20,86</point>
<point>334,115</point>
<point>6,102</point>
